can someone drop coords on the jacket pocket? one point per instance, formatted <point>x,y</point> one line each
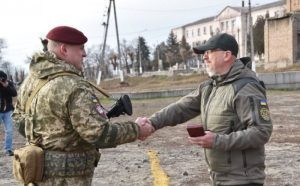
<point>219,160</point>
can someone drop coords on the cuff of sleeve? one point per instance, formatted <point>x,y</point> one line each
<point>153,124</point>
<point>216,141</point>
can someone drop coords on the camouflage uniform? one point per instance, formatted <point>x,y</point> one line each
<point>70,121</point>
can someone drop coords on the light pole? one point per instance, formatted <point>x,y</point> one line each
<point>140,58</point>
<point>251,38</point>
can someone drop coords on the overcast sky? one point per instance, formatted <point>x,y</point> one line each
<point>23,22</point>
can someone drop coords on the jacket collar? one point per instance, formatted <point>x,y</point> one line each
<point>44,64</point>
<point>234,73</point>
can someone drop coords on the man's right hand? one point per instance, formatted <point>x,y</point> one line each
<point>146,128</point>
<point>4,83</point>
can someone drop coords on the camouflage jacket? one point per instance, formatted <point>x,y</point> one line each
<point>65,113</point>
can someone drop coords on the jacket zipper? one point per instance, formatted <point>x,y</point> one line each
<point>232,129</point>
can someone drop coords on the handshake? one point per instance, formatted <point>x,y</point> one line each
<point>146,128</point>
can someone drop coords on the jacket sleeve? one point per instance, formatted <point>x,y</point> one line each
<point>88,118</point>
<point>183,110</point>
<point>19,119</point>
<point>11,90</point>
<point>255,126</point>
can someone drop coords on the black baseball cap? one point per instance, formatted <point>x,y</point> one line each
<point>222,41</point>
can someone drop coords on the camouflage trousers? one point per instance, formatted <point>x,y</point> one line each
<point>72,181</point>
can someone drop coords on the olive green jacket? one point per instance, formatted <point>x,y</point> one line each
<point>234,107</point>
<point>65,113</point>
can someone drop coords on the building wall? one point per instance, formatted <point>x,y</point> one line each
<point>279,45</point>
<point>226,16</point>
<point>296,36</point>
<point>278,11</point>
<point>200,33</point>
<point>178,32</point>
<point>231,21</point>
<point>293,5</point>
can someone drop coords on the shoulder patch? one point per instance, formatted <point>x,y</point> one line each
<point>264,112</point>
<point>99,108</point>
<point>263,102</point>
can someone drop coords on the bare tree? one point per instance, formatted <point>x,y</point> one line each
<point>19,75</point>
<point>12,73</point>
<point>125,50</point>
<point>113,59</point>
<point>94,62</point>
<point>185,50</point>
<point>7,68</point>
<point>2,46</point>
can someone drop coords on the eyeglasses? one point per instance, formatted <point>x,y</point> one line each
<point>213,50</point>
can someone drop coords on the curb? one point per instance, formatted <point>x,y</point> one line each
<point>153,94</point>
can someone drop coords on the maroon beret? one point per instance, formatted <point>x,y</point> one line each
<point>66,34</point>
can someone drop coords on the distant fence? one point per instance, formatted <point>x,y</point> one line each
<point>281,80</point>
<point>278,80</point>
<point>154,94</point>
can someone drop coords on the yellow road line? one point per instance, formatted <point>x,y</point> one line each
<point>160,177</point>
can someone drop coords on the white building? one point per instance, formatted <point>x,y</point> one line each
<point>232,20</point>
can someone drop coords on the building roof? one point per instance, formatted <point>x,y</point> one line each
<point>238,9</point>
<point>204,20</point>
<point>269,5</point>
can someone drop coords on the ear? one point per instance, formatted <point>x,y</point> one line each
<point>227,56</point>
<point>63,50</point>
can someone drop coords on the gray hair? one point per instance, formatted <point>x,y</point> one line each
<point>53,45</point>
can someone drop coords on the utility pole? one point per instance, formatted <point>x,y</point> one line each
<point>117,32</point>
<point>159,63</point>
<point>251,38</point>
<point>105,37</point>
<point>140,58</point>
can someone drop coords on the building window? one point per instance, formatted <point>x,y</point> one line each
<point>232,24</point>
<point>199,32</point>
<point>187,34</point>
<point>222,26</point>
<point>227,25</point>
<point>192,33</point>
<point>211,29</point>
<point>204,30</point>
